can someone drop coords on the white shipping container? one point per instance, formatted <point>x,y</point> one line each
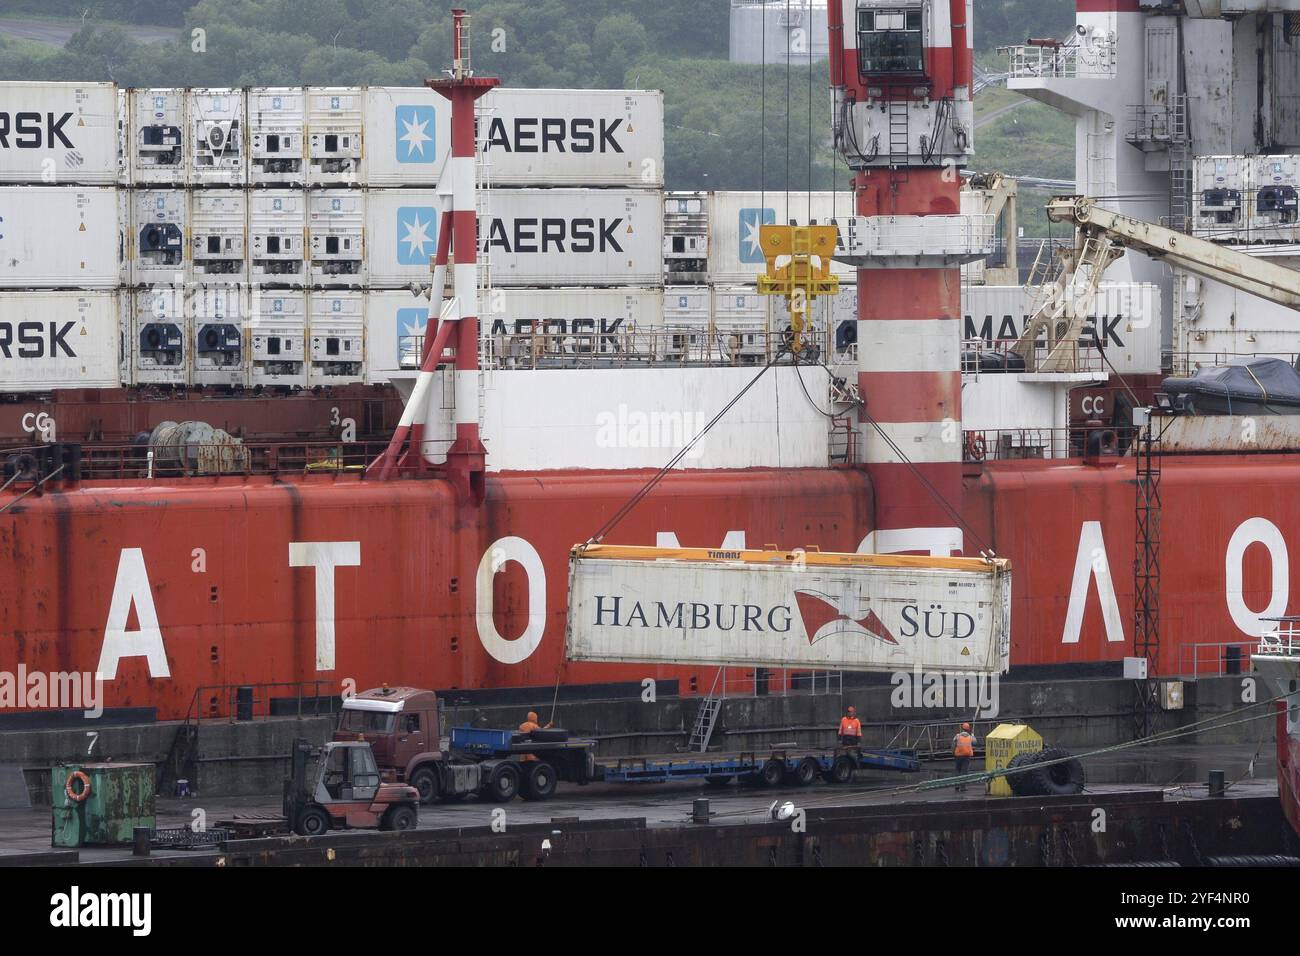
<point>407,136</point>
<point>157,136</point>
<point>336,226</point>
<point>336,337</point>
<point>277,330</point>
<point>574,137</point>
<point>58,133</point>
<point>335,124</point>
<point>217,137</point>
<point>735,256</point>
<point>156,240</point>
<point>277,145</point>
<point>1126,315</point>
<point>825,612</point>
<point>59,237</point>
<point>605,237</point>
<point>159,336</point>
<point>218,230</point>
<point>218,320</point>
<point>401,235</point>
<point>54,340</point>
<point>277,236</point>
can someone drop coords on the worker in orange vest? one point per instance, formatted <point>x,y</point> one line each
<point>963,749</point>
<point>850,729</point>
<point>531,724</point>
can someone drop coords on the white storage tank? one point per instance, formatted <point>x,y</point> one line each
<point>59,237</point>
<point>598,138</point>
<point>277,234</point>
<point>51,340</point>
<point>218,228</point>
<point>277,330</point>
<point>336,337</point>
<point>58,133</point>
<point>218,320</point>
<point>407,136</point>
<point>335,122</point>
<point>217,137</point>
<point>277,146</point>
<point>735,256</point>
<point>336,226</point>
<point>605,237</point>
<point>156,135</point>
<point>159,220</point>
<point>158,336</point>
<point>401,235</point>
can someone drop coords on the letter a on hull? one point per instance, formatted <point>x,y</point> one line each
<point>132,587</point>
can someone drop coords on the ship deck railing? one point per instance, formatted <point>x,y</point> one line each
<point>1021,444</point>
<point>1069,59</point>
<point>1214,658</point>
<point>1282,639</point>
<point>1185,364</point>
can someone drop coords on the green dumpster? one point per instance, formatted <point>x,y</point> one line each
<point>100,804</point>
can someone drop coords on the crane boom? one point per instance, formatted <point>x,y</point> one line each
<point>1206,259</point>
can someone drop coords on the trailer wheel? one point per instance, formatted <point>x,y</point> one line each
<point>503,783</point>
<point>399,818</point>
<point>842,770</point>
<point>539,781</point>
<point>313,822</point>
<point>425,779</point>
<point>806,774</point>
<point>773,773</point>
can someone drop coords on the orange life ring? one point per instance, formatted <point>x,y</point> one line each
<point>73,795</point>
<point>975,449</point>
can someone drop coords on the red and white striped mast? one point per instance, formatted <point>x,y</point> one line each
<point>452,339</point>
<point>901,75</point>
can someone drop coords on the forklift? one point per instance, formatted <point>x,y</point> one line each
<point>338,787</point>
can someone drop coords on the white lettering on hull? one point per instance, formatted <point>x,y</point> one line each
<point>1256,531</point>
<point>937,542</point>
<point>494,559</point>
<point>1091,562</point>
<point>132,587</point>
<point>325,556</point>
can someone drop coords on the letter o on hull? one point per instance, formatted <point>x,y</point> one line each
<point>1252,531</point>
<point>495,559</point>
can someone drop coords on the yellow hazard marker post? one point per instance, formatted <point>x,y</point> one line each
<point>799,268</point>
<point>1004,742</point>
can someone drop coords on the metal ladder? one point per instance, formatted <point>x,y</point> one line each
<point>899,113</point>
<point>707,717</point>
<point>1180,172</point>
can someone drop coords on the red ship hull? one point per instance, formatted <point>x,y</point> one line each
<point>1288,772</point>
<point>335,579</point>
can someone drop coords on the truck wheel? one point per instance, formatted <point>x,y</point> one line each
<point>425,779</point>
<point>313,822</point>
<point>773,773</point>
<point>841,771</point>
<point>539,781</point>
<point>400,818</point>
<point>719,781</point>
<point>503,783</point>
<point>806,774</point>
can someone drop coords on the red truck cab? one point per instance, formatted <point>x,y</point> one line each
<point>402,727</point>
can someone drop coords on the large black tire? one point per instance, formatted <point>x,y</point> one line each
<point>503,783</point>
<point>1027,783</point>
<point>540,780</point>
<point>807,772</point>
<point>773,773</point>
<point>842,770</point>
<point>401,817</point>
<point>1063,779</point>
<point>426,780</point>
<point>553,735</point>
<point>313,822</point>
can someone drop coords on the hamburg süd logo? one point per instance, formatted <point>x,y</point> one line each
<point>823,618</point>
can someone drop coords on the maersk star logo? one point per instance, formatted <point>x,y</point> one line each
<point>411,324</point>
<point>417,235</point>
<point>416,134</point>
<point>751,250</point>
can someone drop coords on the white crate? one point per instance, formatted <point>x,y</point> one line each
<point>336,249</point>
<point>335,124</point>
<point>336,337</point>
<point>157,137</point>
<point>217,137</point>
<point>277,144</point>
<point>218,320</point>
<point>277,331</point>
<point>159,221</point>
<point>218,227</point>
<point>159,336</point>
<point>277,236</point>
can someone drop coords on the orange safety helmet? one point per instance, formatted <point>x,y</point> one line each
<point>965,726</point>
<point>532,716</point>
<point>852,711</point>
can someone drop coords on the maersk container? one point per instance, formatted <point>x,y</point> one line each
<point>401,235</point>
<point>219,316</point>
<point>218,143</point>
<point>601,237</point>
<point>277,236</point>
<point>277,332</point>
<point>156,246</point>
<point>395,324</point>
<point>574,137</point>
<point>336,337</point>
<point>277,144</point>
<point>58,133</point>
<point>158,336</point>
<point>336,246</point>
<point>335,124</point>
<point>218,234</point>
<point>859,612</point>
<point>156,136</point>
<point>407,136</point>
<point>735,256</point>
<point>51,340</point>
<point>59,237</point>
